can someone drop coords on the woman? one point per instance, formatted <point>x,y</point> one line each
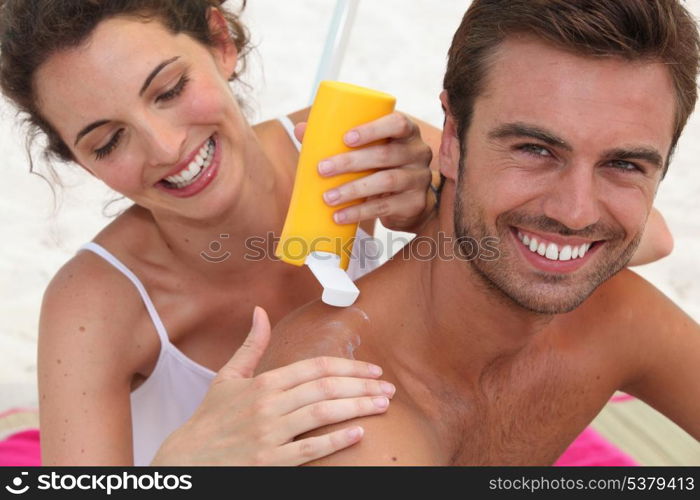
<point>137,93</point>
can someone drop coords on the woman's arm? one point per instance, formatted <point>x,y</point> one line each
<point>657,241</point>
<point>246,420</point>
<point>83,367</point>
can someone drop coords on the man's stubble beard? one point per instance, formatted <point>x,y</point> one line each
<point>552,295</point>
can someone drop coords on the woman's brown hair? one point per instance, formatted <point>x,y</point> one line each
<point>32,30</point>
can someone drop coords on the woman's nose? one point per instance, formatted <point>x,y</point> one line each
<point>165,142</point>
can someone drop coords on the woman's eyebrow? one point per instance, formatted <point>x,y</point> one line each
<point>155,72</point>
<point>88,129</point>
<point>144,87</point>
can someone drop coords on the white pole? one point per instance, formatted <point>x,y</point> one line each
<point>336,42</point>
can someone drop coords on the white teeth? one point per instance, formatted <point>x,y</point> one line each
<point>565,253</point>
<point>574,253</point>
<point>533,245</point>
<point>186,176</point>
<point>551,250</point>
<point>582,250</point>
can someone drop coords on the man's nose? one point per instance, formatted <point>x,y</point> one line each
<point>573,198</point>
<point>165,142</point>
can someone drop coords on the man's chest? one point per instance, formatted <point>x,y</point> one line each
<point>522,411</point>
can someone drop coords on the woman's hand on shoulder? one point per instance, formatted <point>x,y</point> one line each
<point>400,150</point>
<point>253,420</point>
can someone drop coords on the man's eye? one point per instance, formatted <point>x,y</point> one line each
<point>175,91</point>
<point>535,150</point>
<point>110,146</point>
<point>626,166</point>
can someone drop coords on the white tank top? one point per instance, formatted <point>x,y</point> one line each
<point>177,385</point>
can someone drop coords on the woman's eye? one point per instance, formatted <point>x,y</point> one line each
<point>109,147</point>
<point>175,91</point>
<point>535,150</point>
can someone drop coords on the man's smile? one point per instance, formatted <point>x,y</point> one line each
<point>555,253</point>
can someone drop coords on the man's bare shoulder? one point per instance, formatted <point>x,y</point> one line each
<point>625,321</point>
<point>314,330</point>
<point>628,300</point>
<point>319,330</point>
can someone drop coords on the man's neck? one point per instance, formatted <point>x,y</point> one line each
<point>459,321</point>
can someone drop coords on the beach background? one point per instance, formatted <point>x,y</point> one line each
<point>396,46</point>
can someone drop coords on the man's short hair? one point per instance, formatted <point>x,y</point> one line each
<point>634,30</point>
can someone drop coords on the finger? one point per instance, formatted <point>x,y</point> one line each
<point>388,155</point>
<point>307,370</point>
<point>312,448</point>
<point>299,131</point>
<point>395,180</point>
<point>243,363</point>
<point>399,207</point>
<point>329,388</point>
<point>392,126</point>
<point>326,413</point>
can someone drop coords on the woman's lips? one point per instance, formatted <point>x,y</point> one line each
<point>204,178</point>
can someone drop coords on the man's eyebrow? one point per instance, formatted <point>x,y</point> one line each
<point>145,85</point>
<point>519,129</point>
<point>155,72</point>
<point>647,154</point>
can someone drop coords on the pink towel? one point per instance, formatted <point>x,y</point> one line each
<point>21,449</point>
<point>591,449</point>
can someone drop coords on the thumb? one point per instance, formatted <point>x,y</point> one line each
<point>247,357</point>
<point>299,131</point>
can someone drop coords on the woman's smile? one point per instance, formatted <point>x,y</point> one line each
<point>195,173</point>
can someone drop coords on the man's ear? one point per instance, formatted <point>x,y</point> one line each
<point>224,49</point>
<point>449,147</point>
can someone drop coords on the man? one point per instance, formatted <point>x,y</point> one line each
<point>561,118</point>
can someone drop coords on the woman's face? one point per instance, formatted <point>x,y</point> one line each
<point>149,113</point>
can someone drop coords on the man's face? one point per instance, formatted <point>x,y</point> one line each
<point>561,163</point>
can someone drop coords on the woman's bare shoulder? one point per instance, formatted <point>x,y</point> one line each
<point>90,309</point>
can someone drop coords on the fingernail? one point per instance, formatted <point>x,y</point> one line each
<point>331,196</point>
<point>351,138</point>
<point>256,315</point>
<point>325,168</point>
<point>340,217</point>
<point>354,433</point>
<point>388,388</point>
<point>380,402</point>
<point>375,370</point>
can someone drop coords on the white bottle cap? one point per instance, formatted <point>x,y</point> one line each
<point>338,288</point>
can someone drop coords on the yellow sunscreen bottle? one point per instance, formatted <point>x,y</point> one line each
<point>310,235</point>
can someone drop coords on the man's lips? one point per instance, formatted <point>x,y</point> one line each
<point>555,238</point>
<point>554,253</point>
